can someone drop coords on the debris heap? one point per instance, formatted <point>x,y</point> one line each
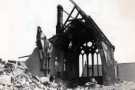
<point>15,76</point>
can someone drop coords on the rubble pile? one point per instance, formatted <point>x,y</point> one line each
<point>124,85</point>
<point>14,76</point>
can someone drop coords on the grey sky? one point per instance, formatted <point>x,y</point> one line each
<point>19,18</point>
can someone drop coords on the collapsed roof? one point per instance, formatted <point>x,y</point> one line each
<point>79,31</point>
<point>77,36</point>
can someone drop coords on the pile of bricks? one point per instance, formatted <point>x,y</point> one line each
<point>16,77</point>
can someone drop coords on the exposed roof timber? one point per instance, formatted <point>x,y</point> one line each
<point>69,16</point>
<point>24,56</point>
<point>91,22</point>
<point>67,13</point>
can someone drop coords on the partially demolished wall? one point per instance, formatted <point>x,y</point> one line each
<point>71,39</point>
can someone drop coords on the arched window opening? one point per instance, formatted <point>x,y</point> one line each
<point>89,61</point>
<point>90,64</point>
<point>100,67</point>
<point>80,64</point>
<point>95,64</point>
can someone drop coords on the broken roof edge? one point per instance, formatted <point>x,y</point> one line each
<point>92,22</point>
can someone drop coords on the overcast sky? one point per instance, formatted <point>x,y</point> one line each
<point>19,19</point>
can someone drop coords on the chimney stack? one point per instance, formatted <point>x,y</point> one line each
<point>59,19</point>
